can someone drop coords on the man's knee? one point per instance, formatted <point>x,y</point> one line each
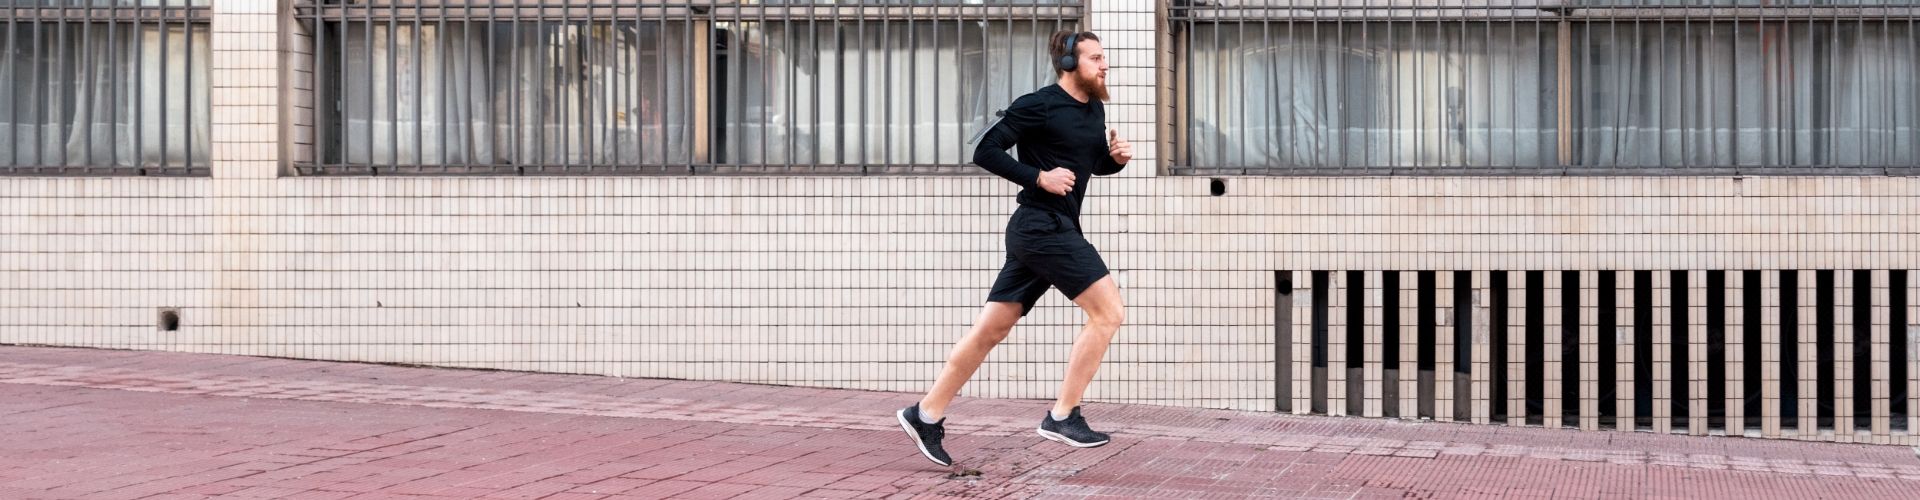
<point>1108,317</point>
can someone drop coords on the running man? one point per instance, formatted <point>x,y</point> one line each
<point>1063,138</point>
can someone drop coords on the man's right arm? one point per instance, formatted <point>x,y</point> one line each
<point>1023,117</point>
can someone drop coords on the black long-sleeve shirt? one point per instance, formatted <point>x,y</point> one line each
<point>1053,130</point>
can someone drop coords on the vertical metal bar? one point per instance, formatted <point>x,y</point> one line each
<point>766,83</point>
<point>138,76</point>
<point>813,39</point>
<point>1269,140</point>
<point>542,111</point>
<point>634,112</point>
<point>86,85</point>
<point>567,73</point>
<point>393,85</point>
<point>56,75</point>
<point>113,87</point>
<point>1219,112</point>
<point>165,37</point>
<point>934,24</point>
<point>514,46</point>
<point>792,81</point>
<point>186,89</point>
<point>447,85</point>
<point>840,100</point>
<point>687,81</point>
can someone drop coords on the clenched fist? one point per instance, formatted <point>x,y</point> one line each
<point>1058,181</point>
<point>1120,149</point>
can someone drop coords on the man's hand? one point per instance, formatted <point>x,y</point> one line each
<point>1120,149</point>
<point>1058,181</point>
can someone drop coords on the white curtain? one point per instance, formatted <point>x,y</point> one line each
<point>821,93</point>
<point>1332,95</point>
<point>512,94</point>
<point>1738,94</point>
<point>93,95</point>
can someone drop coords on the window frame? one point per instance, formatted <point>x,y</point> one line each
<point>701,19</point>
<point>63,18</point>
<point>1183,16</point>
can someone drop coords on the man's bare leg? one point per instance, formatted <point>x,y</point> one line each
<point>995,321</point>
<point>1104,316</point>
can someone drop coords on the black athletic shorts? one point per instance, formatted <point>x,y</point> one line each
<point>1045,249</point>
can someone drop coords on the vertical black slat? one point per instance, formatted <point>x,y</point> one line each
<point>1681,343</point>
<point>1642,349</point>
<point>1823,347</point>
<point>1390,344</point>
<point>1282,341</point>
<point>1463,342</point>
<point>840,99</point>
<point>1427,333</point>
<point>1901,327</point>
<point>1716,349</point>
<point>1607,330</point>
<point>1752,347</point>
<point>1570,346</point>
<point>1356,342</point>
<point>1862,350</point>
<point>1321,316</point>
<point>1535,330</point>
<point>1790,349</point>
<point>1498,309</point>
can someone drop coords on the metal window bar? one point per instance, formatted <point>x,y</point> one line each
<point>589,87</point>
<point>80,99</point>
<point>1746,87</point>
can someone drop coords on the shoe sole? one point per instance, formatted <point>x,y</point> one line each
<point>1055,436</point>
<point>915,436</point>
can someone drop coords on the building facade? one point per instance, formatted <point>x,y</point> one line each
<point>1679,216</point>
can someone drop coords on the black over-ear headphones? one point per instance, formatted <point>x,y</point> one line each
<point>1071,60</point>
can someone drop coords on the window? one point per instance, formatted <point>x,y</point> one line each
<point>1547,87</point>
<point>500,87</point>
<point>104,87</point>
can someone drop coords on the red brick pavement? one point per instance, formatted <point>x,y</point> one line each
<point>121,424</point>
